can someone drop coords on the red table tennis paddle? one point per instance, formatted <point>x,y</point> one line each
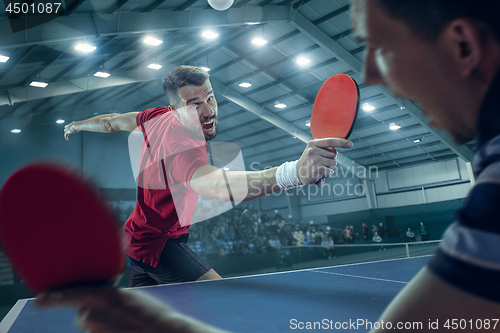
<point>335,108</point>
<point>56,231</point>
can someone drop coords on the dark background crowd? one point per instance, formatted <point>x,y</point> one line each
<point>245,230</point>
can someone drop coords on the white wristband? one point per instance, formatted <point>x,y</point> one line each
<point>287,176</point>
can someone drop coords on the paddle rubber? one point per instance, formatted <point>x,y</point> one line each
<point>335,108</point>
<point>56,231</point>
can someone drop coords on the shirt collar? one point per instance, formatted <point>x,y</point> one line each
<point>488,124</point>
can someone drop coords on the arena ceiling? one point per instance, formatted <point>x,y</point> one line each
<point>318,30</point>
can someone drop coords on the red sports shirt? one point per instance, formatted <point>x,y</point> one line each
<point>168,152</point>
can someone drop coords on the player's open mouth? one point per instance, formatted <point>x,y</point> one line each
<point>208,125</point>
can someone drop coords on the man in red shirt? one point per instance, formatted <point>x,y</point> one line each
<point>175,170</point>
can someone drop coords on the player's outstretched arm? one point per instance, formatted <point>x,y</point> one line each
<point>107,309</point>
<point>316,162</point>
<point>435,304</point>
<point>106,123</point>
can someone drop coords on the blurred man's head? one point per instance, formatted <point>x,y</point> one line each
<point>192,99</point>
<point>429,17</point>
<point>442,54</point>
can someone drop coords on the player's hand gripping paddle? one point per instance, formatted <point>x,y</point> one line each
<point>56,231</point>
<point>335,108</point>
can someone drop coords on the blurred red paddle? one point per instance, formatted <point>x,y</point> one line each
<point>56,231</point>
<point>335,109</point>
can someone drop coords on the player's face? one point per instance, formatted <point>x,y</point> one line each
<point>411,67</point>
<point>198,109</point>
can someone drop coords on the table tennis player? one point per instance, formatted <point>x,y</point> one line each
<point>445,55</point>
<point>156,231</point>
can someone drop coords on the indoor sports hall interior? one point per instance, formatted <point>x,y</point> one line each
<point>267,59</point>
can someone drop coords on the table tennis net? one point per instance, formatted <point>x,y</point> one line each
<point>352,253</point>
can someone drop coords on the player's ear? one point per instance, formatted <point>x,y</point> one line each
<point>174,110</point>
<point>466,39</point>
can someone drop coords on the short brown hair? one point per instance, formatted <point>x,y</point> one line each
<point>429,17</point>
<point>182,76</point>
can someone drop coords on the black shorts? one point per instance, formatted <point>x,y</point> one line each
<point>178,263</point>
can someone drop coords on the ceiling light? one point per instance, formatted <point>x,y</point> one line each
<point>402,107</point>
<point>245,84</point>
<point>38,84</point>
<point>303,61</point>
<point>394,127</point>
<point>60,121</point>
<point>85,48</point>
<point>152,41</point>
<point>3,58</point>
<point>417,140</point>
<point>225,168</point>
<point>308,123</point>
<point>252,23</point>
<point>220,4</point>
<point>206,69</point>
<point>279,105</point>
<point>209,34</point>
<point>102,74</point>
<point>368,107</point>
<point>16,130</point>
<point>259,41</point>
<point>155,66</point>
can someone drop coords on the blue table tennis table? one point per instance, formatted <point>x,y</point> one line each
<point>333,297</point>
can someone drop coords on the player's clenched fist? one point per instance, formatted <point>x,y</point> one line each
<point>69,129</point>
<point>318,159</point>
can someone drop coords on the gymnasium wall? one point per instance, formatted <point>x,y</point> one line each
<point>102,157</point>
<point>438,188</point>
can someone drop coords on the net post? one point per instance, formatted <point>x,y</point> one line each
<point>407,251</point>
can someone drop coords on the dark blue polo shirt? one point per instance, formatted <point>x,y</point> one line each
<point>469,255</point>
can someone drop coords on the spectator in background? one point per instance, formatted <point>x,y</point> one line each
<point>285,233</point>
<point>347,234</point>
<point>423,232</point>
<point>365,232</point>
<point>329,246</point>
<point>378,239</point>
<point>334,235</point>
<point>410,235</point>
<point>318,238</point>
<point>374,230</point>
<point>299,237</point>
<point>354,234</point>
<point>382,231</point>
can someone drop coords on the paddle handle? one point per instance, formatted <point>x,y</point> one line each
<point>320,181</point>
